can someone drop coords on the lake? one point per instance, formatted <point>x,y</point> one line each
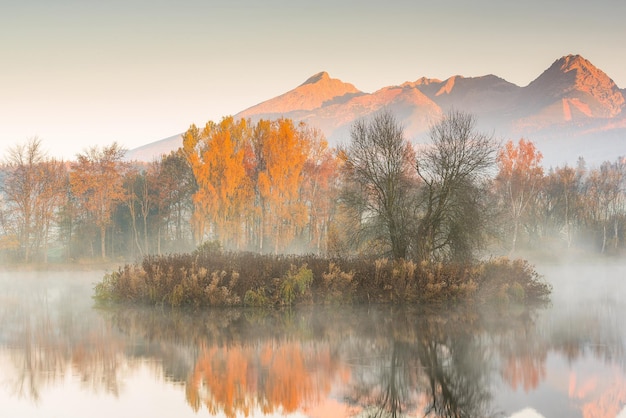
<point>63,356</point>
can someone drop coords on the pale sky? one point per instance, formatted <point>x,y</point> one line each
<point>79,73</point>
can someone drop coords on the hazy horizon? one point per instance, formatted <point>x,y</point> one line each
<point>79,74</point>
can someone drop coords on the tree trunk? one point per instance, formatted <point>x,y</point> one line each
<point>45,245</point>
<point>131,208</point>
<point>616,232</point>
<point>515,231</point>
<point>567,225</point>
<point>26,241</point>
<point>103,242</point>
<point>145,233</point>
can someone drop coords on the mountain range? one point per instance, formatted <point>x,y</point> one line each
<point>572,109</point>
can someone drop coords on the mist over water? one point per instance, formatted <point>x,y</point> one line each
<point>580,343</point>
<point>62,356</point>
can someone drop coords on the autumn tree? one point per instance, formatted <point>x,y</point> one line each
<point>51,197</point>
<point>284,154</point>
<point>319,190</point>
<point>264,186</point>
<point>34,188</point>
<point>255,164</point>
<point>192,148</point>
<point>96,179</point>
<point>518,180</point>
<point>216,156</point>
<point>379,182</point>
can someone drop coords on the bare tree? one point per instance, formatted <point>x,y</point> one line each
<point>454,170</point>
<point>379,182</point>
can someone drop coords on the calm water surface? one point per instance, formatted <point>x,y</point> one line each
<point>61,356</point>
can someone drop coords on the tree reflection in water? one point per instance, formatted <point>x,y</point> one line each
<point>271,376</point>
<point>49,333</point>
<point>423,364</point>
<point>379,361</point>
<point>243,361</point>
<point>385,362</point>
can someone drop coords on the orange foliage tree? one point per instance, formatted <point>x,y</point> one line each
<point>320,185</point>
<point>262,186</point>
<point>34,189</point>
<point>96,180</point>
<point>519,180</point>
<point>284,154</point>
<point>216,155</point>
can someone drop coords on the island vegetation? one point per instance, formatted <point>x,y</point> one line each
<point>378,219</point>
<point>212,277</point>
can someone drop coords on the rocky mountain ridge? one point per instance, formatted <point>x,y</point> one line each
<point>571,107</point>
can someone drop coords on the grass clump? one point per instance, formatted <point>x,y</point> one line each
<point>295,284</point>
<point>338,286</point>
<point>504,280</point>
<point>256,298</point>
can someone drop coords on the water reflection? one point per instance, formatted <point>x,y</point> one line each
<point>455,361</point>
<point>48,331</point>
<point>421,363</point>
<point>239,361</point>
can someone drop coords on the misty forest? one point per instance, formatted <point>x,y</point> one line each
<point>275,188</point>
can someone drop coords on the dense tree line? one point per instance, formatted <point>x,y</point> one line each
<point>98,206</point>
<point>275,186</point>
<point>266,187</point>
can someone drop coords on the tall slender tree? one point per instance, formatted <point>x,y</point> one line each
<point>319,190</point>
<point>519,181</point>
<point>279,182</point>
<point>224,190</point>
<point>603,199</point>
<point>561,201</point>
<point>96,179</point>
<point>176,185</point>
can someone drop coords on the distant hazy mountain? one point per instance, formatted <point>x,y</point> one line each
<point>571,109</point>
<point>154,150</point>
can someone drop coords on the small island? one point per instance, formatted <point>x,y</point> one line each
<point>408,226</point>
<point>209,277</point>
